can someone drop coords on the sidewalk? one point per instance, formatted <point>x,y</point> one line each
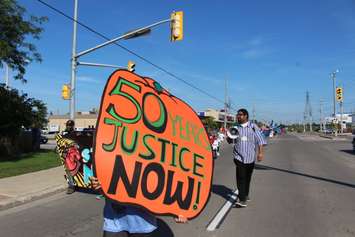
<point>20,189</point>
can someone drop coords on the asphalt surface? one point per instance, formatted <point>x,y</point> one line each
<point>50,145</point>
<point>305,187</point>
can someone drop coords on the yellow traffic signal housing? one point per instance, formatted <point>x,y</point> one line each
<point>66,92</point>
<point>131,66</point>
<point>177,26</point>
<point>339,94</point>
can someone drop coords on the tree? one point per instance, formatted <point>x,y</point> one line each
<point>209,123</point>
<point>15,49</point>
<point>18,112</point>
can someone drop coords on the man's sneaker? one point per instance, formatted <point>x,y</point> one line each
<point>248,199</point>
<point>240,204</point>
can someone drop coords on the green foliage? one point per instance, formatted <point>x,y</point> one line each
<point>29,162</point>
<point>18,111</point>
<point>15,49</point>
<point>210,123</point>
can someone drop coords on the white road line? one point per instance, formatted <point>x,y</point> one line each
<point>218,218</point>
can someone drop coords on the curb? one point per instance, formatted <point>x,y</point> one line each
<point>324,136</point>
<point>20,200</point>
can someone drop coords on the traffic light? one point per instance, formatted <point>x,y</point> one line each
<point>66,93</point>
<point>339,94</point>
<point>131,66</point>
<point>176,25</point>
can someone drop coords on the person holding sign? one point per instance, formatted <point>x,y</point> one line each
<point>127,221</point>
<point>69,132</point>
<point>248,141</point>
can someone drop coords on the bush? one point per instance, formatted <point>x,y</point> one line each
<point>18,112</point>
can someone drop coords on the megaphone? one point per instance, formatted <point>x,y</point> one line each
<point>233,133</point>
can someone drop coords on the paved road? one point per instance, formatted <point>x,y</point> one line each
<point>50,145</point>
<point>305,187</point>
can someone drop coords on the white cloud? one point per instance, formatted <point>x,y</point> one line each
<point>254,48</point>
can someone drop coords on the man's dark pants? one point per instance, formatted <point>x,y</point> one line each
<point>243,174</point>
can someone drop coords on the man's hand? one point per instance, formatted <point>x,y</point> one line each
<point>95,184</point>
<point>181,219</point>
<point>260,157</point>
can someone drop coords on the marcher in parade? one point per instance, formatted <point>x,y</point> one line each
<point>247,148</point>
<point>69,132</point>
<point>127,221</point>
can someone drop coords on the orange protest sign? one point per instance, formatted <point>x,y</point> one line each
<point>151,149</point>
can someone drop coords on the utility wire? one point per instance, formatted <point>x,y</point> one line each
<point>132,52</point>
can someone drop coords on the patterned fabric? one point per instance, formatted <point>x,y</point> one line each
<point>249,139</point>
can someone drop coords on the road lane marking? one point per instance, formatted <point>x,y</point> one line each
<point>223,212</point>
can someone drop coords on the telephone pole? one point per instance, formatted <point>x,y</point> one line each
<point>225,104</point>
<point>304,122</point>
<point>341,117</point>
<point>307,113</point>
<point>333,76</point>
<point>321,115</point>
<point>73,64</point>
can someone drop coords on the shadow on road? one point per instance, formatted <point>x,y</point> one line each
<point>265,167</point>
<point>222,191</point>
<point>349,151</point>
<point>163,230</point>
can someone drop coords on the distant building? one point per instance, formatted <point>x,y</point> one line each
<point>82,120</point>
<point>218,115</point>
<point>346,118</point>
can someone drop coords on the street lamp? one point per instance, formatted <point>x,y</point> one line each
<point>75,56</point>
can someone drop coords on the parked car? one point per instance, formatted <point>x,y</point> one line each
<point>44,140</point>
<point>354,144</point>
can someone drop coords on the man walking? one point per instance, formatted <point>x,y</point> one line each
<point>69,132</point>
<point>248,146</point>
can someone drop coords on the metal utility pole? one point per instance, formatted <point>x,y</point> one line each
<point>341,117</point>
<point>225,104</point>
<point>129,35</point>
<point>333,76</point>
<point>73,63</point>
<point>321,116</point>
<point>308,113</point>
<point>304,122</point>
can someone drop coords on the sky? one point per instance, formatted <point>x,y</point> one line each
<point>269,52</point>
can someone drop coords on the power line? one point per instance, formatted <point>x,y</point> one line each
<point>132,52</point>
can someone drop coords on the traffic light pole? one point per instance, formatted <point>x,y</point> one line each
<point>341,117</point>
<point>333,74</point>
<point>334,103</point>
<point>125,36</point>
<point>75,56</point>
<point>73,64</point>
